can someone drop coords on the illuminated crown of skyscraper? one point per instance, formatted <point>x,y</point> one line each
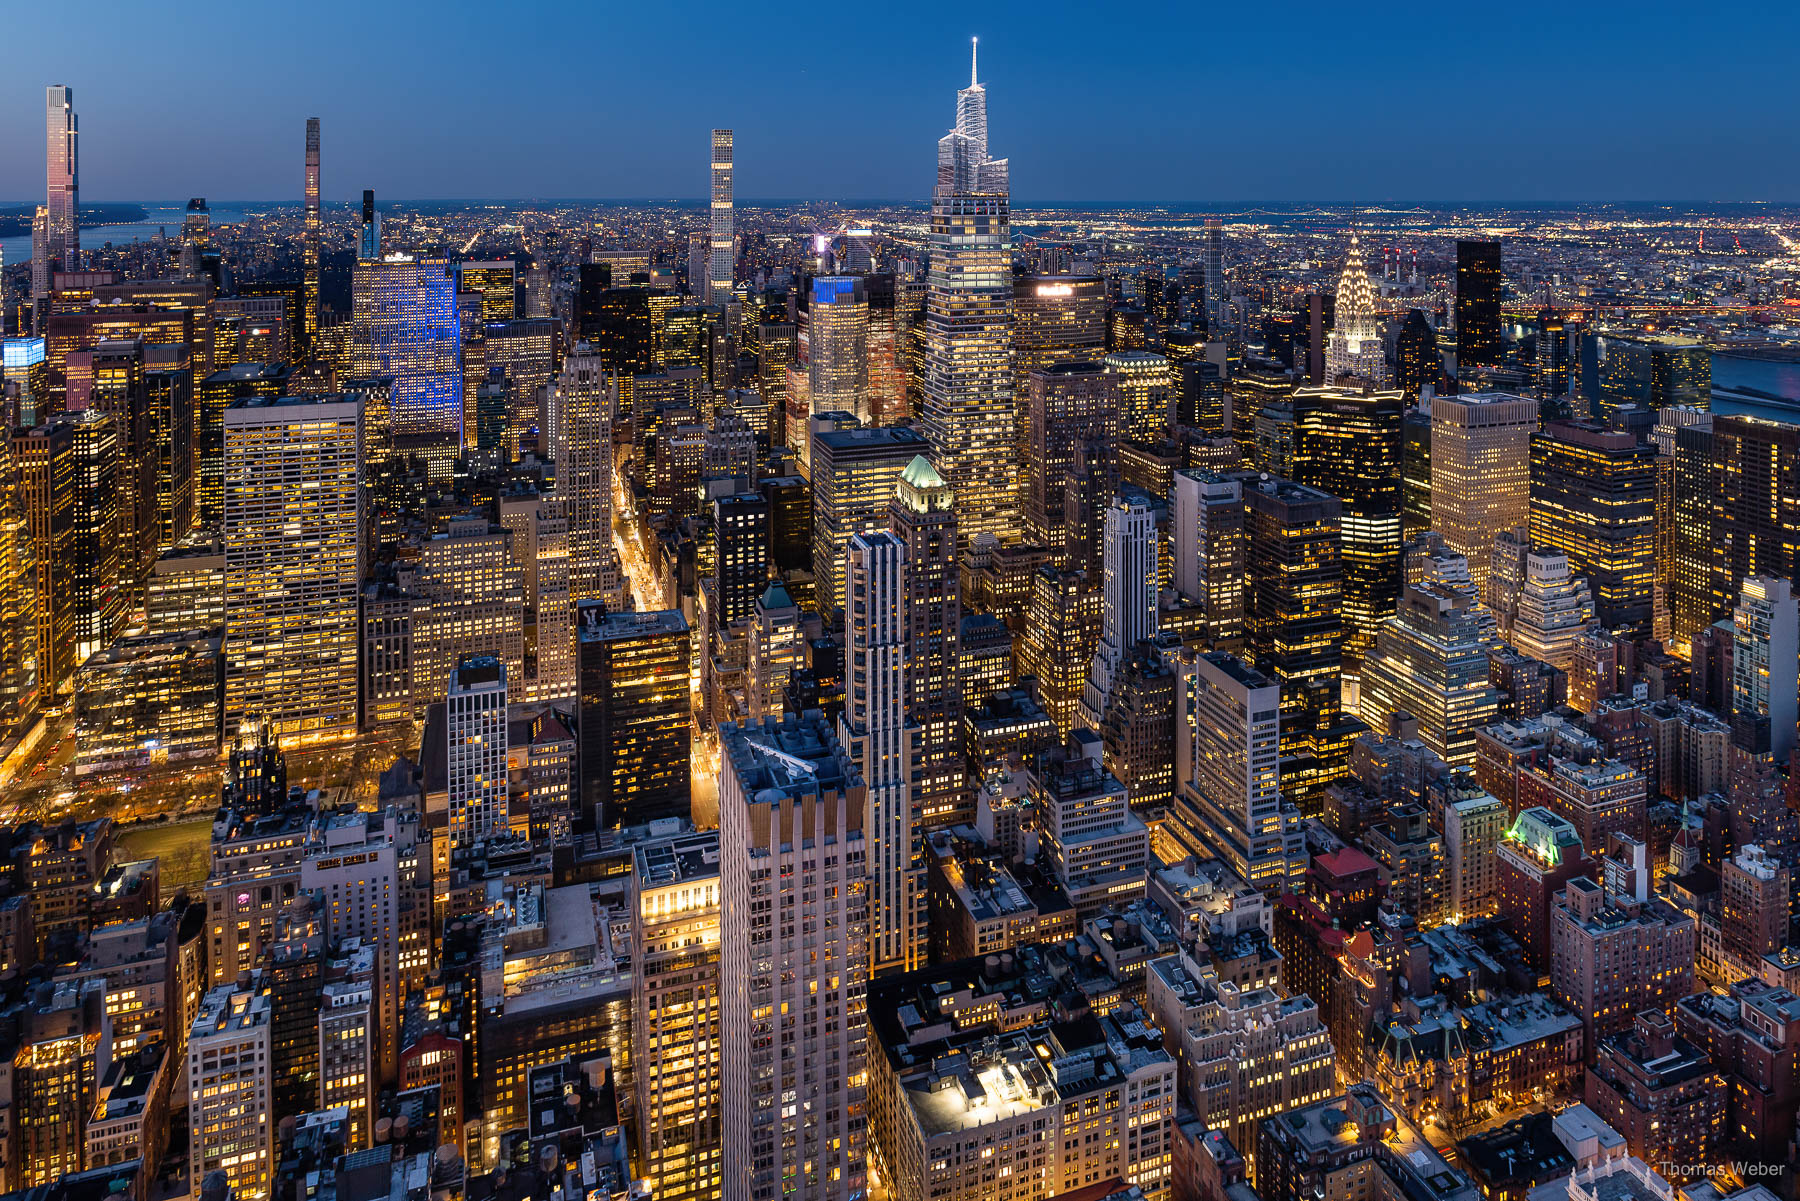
<point>963,162</point>
<point>1356,295</point>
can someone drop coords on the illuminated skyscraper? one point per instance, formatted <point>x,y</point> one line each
<point>837,369</point>
<point>792,1029</point>
<point>59,248</point>
<point>1430,660</point>
<point>1478,285</point>
<point>292,562</point>
<point>1765,643</point>
<point>1737,514</point>
<point>309,304</point>
<point>1127,598</point>
<point>724,249</point>
<point>102,602</point>
<point>1355,345</point>
<point>1593,497</point>
<point>213,395</point>
<point>675,1015</point>
<point>1652,371</point>
<point>475,725</point>
<point>854,473</point>
<point>368,238</point>
<point>407,327</point>
<point>497,281</point>
<point>1227,772</point>
<point>45,456</point>
<point>967,413</point>
<point>1480,472</point>
<point>634,718</point>
<point>1209,549</point>
<point>1146,394</point>
<point>120,391</point>
<point>1068,404</point>
<point>586,400</point>
<point>20,662</point>
<point>1348,442</point>
<point>1218,301</point>
<point>1056,319</point>
<point>1296,625</point>
<point>923,517</point>
<point>1553,609</point>
<point>881,742</point>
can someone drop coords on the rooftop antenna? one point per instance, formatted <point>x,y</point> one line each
<point>974,43</point>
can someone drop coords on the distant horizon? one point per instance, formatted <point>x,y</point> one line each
<point>924,202</point>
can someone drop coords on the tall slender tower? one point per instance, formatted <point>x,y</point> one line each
<point>1128,598</point>
<point>1218,304</point>
<point>967,413</point>
<point>724,252</point>
<point>923,516</point>
<point>60,248</point>
<point>586,401</point>
<point>882,744</point>
<point>310,246</point>
<point>1355,344</point>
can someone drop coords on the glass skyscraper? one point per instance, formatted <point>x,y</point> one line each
<point>408,328</point>
<point>967,413</point>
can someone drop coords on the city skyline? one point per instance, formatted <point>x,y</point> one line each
<point>1564,124</point>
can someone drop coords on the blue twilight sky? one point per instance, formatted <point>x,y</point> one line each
<point>1293,100</point>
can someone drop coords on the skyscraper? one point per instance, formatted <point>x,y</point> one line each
<point>310,244</point>
<point>967,411</point>
<point>1146,394</point>
<point>634,718</point>
<point>1209,537</point>
<point>368,238</point>
<point>793,1029</point>
<point>837,369</point>
<point>59,249</point>
<point>475,727</point>
<point>923,518</point>
<point>407,327</point>
<point>724,252</point>
<point>1765,646</point>
<point>1478,284</point>
<point>1593,497</point>
<point>102,600</point>
<point>1430,660</point>
<point>1348,442</point>
<point>675,1014</point>
<point>586,400</point>
<point>1354,346</point>
<point>1296,624</point>
<point>1480,472</point>
<point>1068,404</point>
<point>1056,319</point>
<point>881,742</point>
<point>1218,302</point>
<point>1227,774</point>
<point>229,1087</point>
<point>47,478</point>
<point>1127,598</point>
<point>292,563</point>
<point>854,473</point>
<point>21,663</point>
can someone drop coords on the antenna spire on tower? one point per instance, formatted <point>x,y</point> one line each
<point>974,44</point>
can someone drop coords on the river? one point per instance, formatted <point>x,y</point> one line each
<point>163,216</point>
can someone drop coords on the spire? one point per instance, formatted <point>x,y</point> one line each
<point>974,44</point>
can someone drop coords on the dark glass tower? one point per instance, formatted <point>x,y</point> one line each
<point>1478,280</point>
<point>634,724</point>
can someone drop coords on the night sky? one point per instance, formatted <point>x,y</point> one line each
<point>1100,102</point>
